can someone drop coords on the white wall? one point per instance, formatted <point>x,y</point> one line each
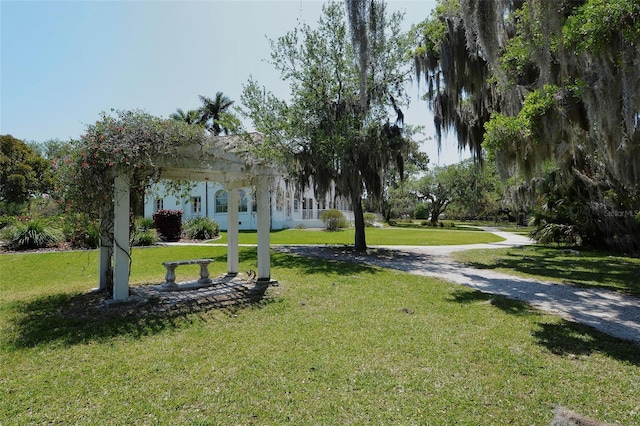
<point>283,206</point>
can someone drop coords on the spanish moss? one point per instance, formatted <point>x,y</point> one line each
<point>547,88</point>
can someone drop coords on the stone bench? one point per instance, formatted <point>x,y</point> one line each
<point>170,278</point>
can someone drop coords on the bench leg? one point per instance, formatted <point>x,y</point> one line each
<point>204,273</point>
<point>170,278</point>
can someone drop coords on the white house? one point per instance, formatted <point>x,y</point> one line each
<point>288,207</point>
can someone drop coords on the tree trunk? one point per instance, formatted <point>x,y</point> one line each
<point>386,212</point>
<point>360,243</point>
<point>106,242</point>
<point>435,211</point>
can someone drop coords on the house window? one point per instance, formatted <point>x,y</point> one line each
<point>159,204</point>
<point>196,205</point>
<point>243,202</point>
<point>296,202</point>
<point>221,201</point>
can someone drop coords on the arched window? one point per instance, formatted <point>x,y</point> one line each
<point>254,200</point>
<point>296,202</point>
<point>243,202</point>
<point>221,201</point>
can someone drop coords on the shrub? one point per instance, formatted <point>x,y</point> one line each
<point>43,207</point>
<point>6,221</point>
<point>168,223</point>
<point>421,211</point>
<point>144,233</point>
<point>13,209</point>
<point>333,219</point>
<point>369,219</point>
<point>201,228</point>
<point>146,237</point>
<point>81,231</point>
<point>33,234</point>
<point>144,223</point>
<point>557,233</point>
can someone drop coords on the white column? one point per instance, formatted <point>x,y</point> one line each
<point>232,232</point>
<point>264,225</point>
<point>121,240</point>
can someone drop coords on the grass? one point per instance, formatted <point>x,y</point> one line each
<point>335,343</point>
<point>375,236</point>
<point>582,268</point>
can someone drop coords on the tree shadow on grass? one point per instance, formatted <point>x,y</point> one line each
<point>563,337</point>
<point>510,306</point>
<point>316,260</point>
<point>570,338</point>
<point>581,268</point>
<point>322,260</point>
<point>70,319</point>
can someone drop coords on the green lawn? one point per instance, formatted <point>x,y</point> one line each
<point>375,236</point>
<point>583,268</point>
<point>333,344</point>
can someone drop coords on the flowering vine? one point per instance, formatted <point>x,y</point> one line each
<point>127,144</point>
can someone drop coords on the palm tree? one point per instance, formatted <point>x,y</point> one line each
<point>213,110</point>
<point>192,116</point>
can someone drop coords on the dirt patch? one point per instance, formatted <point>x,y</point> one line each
<point>58,247</point>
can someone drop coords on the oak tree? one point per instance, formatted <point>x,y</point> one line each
<point>343,122</point>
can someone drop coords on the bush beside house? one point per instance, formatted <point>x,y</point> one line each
<point>168,223</point>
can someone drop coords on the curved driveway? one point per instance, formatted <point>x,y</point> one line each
<point>608,311</point>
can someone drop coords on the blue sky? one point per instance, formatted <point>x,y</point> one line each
<point>63,62</point>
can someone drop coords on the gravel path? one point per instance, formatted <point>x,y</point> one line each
<point>607,311</point>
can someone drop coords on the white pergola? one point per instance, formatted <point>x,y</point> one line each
<point>220,162</point>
